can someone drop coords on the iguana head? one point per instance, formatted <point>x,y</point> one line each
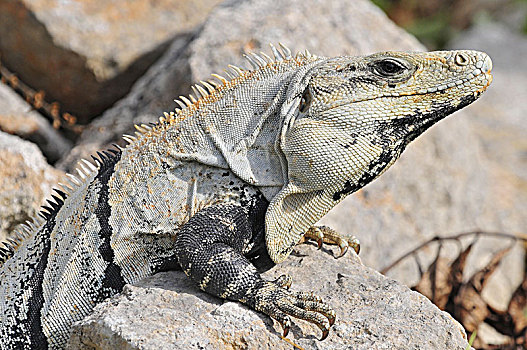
<point>349,118</point>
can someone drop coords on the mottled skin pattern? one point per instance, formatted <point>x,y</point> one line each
<point>226,186</point>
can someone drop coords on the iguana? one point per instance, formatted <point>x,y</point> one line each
<point>226,186</point>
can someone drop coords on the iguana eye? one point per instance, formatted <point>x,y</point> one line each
<point>388,67</point>
<point>305,101</point>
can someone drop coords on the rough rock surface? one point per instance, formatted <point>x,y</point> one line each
<point>18,118</point>
<point>86,54</point>
<point>25,179</point>
<point>373,312</point>
<point>355,27</point>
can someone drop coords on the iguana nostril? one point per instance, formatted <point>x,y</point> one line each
<point>461,59</point>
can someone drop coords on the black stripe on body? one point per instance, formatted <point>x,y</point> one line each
<point>35,303</point>
<point>113,281</point>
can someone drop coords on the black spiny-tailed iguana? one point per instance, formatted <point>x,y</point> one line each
<point>226,186</point>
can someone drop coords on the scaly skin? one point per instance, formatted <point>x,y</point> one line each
<point>226,186</point>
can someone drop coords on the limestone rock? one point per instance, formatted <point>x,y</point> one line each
<point>373,312</point>
<point>18,118</point>
<point>26,179</point>
<point>87,53</point>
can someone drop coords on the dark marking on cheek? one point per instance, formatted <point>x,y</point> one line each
<point>440,111</point>
<point>396,134</point>
<point>347,188</point>
<point>391,86</point>
<point>374,169</point>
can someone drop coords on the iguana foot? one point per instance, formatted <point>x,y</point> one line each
<point>274,299</point>
<point>324,234</point>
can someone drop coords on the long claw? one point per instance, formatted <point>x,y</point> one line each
<point>343,251</point>
<point>324,234</point>
<point>324,335</point>
<point>331,321</point>
<point>276,301</point>
<point>286,332</point>
<point>356,245</point>
<point>286,325</point>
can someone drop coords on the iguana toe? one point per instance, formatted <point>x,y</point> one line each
<point>324,234</point>
<point>279,303</point>
<point>284,281</point>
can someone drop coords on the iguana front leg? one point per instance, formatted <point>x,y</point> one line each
<point>210,248</point>
<point>324,234</point>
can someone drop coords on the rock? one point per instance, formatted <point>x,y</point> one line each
<point>499,118</point>
<point>25,179</point>
<point>355,27</point>
<point>87,54</point>
<point>373,312</point>
<point>18,118</point>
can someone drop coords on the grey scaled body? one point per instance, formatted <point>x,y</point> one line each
<point>226,186</point>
